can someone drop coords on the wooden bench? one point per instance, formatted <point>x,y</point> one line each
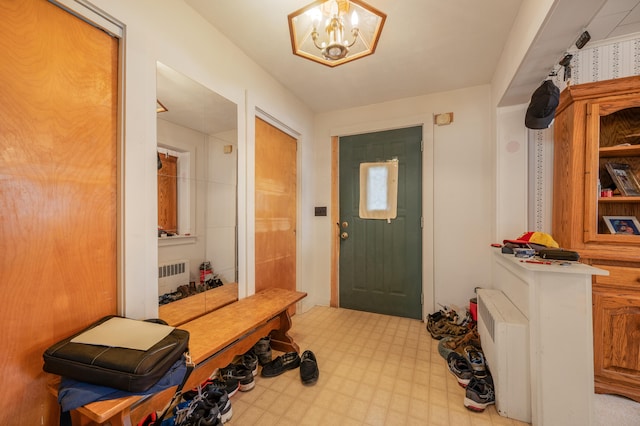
<point>216,338</point>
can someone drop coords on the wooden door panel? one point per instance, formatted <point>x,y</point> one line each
<point>58,195</point>
<point>616,337</point>
<point>276,208</point>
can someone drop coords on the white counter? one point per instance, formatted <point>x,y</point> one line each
<point>556,299</point>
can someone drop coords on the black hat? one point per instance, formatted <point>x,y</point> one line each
<point>542,108</point>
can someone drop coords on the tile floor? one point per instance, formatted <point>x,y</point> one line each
<point>374,370</point>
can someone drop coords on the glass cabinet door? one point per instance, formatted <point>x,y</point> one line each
<point>612,188</point>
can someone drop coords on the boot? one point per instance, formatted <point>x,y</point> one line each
<point>263,350</point>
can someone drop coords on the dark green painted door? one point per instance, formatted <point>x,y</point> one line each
<point>381,261</point>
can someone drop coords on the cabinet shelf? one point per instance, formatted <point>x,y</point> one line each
<point>619,151</point>
<point>619,199</point>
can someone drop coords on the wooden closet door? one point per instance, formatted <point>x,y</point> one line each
<point>276,201</point>
<point>58,112</point>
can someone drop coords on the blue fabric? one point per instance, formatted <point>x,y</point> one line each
<point>73,393</point>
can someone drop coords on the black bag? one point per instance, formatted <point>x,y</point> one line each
<point>558,254</point>
<point>130,370</point>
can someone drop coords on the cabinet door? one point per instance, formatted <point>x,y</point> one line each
<point>612,137</point>
<point>616,336</point>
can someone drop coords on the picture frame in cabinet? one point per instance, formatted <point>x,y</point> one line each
<point>625,179</point>
<point>625,225</point>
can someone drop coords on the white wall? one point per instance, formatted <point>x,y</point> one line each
<point>187,140</point>
<point>221,211</point>
<point>456,188</point>
<point>172,33</point>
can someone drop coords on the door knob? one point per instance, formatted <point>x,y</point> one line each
<point>344,235</point>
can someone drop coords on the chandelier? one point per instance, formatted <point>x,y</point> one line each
<point>333,32</point>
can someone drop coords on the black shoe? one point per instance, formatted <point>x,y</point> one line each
<point>250,360</point>
<point>308,368</point>
<point>479,394</point>
<point>459,367</point>
<point>240,373</point>
<point>285,362</point>
<point>230,386</point>
<point>220,398</point>
<point>263,350</point>
<point>197,412</point>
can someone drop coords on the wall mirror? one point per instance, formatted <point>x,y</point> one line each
<point>197,193</point>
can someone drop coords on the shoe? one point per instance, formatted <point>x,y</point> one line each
<point>479,394</point>
<point>230,386</point>
<point>240,373</point>
<point>309,372</point>
<point>220,398</point>
<point>475,358</point>
<point>459,367</point>
<point>450,344</point>
<point>280,364</point>
<point>250,361</point>
<point>445,327</point>
<point>197,412</point>
<point>263,350</point>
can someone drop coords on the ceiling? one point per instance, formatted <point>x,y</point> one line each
<point>192,105</point>
<point>426,46</point>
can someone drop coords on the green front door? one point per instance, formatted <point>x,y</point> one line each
<point>381,260</point>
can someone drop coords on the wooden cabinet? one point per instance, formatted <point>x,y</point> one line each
<point>599,123</point>
<point>616,316</point>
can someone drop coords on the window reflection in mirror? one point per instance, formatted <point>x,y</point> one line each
<point>196,194</point>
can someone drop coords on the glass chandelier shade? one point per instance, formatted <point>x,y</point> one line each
<point>333,32</point>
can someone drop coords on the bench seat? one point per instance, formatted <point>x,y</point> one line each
<point>215,339</point>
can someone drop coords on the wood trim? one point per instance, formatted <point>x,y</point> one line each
<point>599,89</point>
<point>335,220</point>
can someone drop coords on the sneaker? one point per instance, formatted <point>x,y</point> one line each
<point>230,386</point>
<point>479,394</point>
<point>220,398</point>
<point>197,412</point>
<point>475,358</point>
<point>240,373</point>
<point>263,350</point>
<point>250,361</point>
<point>444,328</point>
<point>459,367</point>
<point>457,344</point>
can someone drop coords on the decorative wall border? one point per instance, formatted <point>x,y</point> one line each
<point>603,61</point>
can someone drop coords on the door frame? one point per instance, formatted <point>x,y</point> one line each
<point>428,287</point>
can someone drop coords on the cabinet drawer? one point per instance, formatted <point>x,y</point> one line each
<point>619,276</point>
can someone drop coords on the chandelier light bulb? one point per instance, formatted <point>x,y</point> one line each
<point>315,15</point>
<point>354,19</point>
<point>334,8</point>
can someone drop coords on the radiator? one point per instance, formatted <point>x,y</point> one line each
<point>504,335</point>
<point>171,275</point>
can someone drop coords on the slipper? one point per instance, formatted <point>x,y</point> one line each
<point>308,368</point>
<point>280,364</point>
